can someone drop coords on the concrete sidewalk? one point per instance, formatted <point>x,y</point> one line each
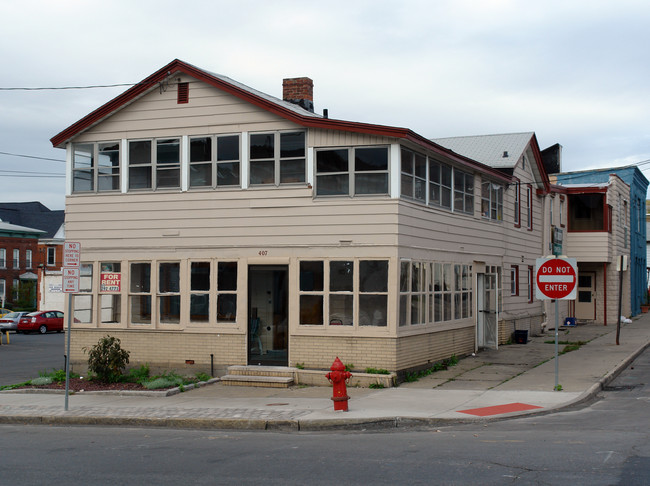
<point>494,384</point>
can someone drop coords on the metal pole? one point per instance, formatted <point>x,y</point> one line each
<point>557,357</point>
<point>620,298</point>
<point>67,361</point>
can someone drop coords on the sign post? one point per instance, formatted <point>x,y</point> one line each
<point>557,280</point>
<point>70,273</point>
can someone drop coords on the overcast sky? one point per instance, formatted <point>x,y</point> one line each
<point>575,72</point>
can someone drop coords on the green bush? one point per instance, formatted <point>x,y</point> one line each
<point>138,375</point>
<point>107,359</point>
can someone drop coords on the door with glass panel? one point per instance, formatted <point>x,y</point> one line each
<point>268,315</point>
<point>586,302</point>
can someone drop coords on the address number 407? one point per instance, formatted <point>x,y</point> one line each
<point>263,252</point>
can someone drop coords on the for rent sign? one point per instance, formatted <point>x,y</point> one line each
<point>556,278</point>
<point>110,282</point>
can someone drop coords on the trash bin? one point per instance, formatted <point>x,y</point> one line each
<point>570,321</point>
<point>520,337</point>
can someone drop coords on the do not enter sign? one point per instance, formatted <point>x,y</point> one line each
<point>556,278</point>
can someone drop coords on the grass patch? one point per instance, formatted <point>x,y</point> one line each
<point>568,345</point>
<point>442,365</point>
<point>377,371</point>
<point>376,385</point>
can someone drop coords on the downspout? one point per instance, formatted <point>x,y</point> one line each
<point>605,290</point>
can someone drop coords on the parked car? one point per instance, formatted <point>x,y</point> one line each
<point>9,322</point>
<point>41,321</point>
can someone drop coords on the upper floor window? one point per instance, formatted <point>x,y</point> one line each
<point>492,201</point>
<point>517,207</point>
<point>16,258</point>
<point>352,171</point>
<point>439,184</point>
<point>3,258</point>
<point>96,167</point>
<point>28,258</point>
<point>587,212</point>
<point>215,161</point>
<point>154,164</point>
<point>414,175</point>
<point>277,158</point>
<point>51,256</point>
<point>529,206</point>
<point>463,192</point>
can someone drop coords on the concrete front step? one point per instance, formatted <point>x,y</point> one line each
<point>261,371</point>
<point>260,381</point>
<point>262,376</point>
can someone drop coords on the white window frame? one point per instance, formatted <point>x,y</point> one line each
<point>155,168</point>
<point>51,256</point>
<point>28,259</point>
<point>97,172</point>
<point>277,158</point>
<point>16,258</point>
<point>214,161</point>
<point>3,258</point>
<point>351,171</point>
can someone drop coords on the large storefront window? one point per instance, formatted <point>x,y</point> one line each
<point>140,293</point>
<point>350,286</point>
<point>433,292</point>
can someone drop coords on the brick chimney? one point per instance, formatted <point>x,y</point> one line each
<point>299,91</point>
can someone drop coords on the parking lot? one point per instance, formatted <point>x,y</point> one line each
<point>27,355</point>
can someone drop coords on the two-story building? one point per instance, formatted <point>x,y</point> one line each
<point>48,255</point>
<point>222,225</point>
<point>18,246</point>
<point>606,221</point>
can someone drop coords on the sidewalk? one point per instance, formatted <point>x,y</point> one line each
<point>489,386</point>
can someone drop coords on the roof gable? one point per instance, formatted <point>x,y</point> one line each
<point>500,151</point>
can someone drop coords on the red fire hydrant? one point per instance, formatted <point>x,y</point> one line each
<point>338,377</point>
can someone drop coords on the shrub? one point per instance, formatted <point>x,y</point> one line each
<point>107,359</point>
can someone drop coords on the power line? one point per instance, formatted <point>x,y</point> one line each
<point>28,172</point>
<point>68,87</point>
<point>32,157</point>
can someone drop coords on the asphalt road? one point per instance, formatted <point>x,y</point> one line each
<point>30,354</point>
<point>606,443</point>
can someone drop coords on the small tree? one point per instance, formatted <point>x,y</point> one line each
<point>107,359</point>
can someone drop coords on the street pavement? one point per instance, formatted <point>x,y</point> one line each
<point>515,380</point>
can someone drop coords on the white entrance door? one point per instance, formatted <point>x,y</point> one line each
<point>586,299</point>
<point>487,322</point>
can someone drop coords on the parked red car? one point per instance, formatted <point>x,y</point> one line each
<point>42,322</point>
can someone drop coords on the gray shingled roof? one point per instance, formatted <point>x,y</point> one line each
<point>285,104</point>
<point>490,149</point>
<point>32,215</point>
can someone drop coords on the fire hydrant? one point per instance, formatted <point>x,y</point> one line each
<point>338,377</point>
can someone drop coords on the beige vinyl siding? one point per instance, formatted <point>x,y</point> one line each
<point>334,138</point>
<point>209,111</point>
<point>257,218</point>
<point>589,246</point>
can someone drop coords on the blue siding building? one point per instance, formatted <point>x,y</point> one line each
<point>633,177</point>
